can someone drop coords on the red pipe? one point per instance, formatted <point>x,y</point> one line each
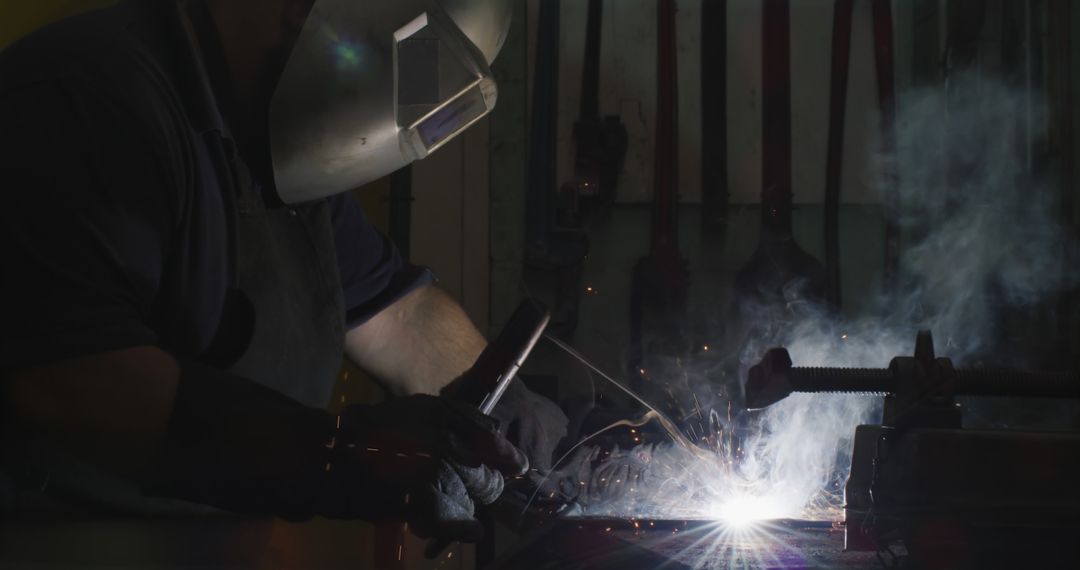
<point>776,196</point>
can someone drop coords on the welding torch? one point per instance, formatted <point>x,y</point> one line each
<point>486,382</point>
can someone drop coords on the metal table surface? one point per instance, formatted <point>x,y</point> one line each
<point>205,543</point>
<point>600,544</point>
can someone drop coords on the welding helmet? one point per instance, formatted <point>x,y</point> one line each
<point>372,85</point>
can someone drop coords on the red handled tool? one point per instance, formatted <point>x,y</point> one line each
<point>661,279</point>
<point>779,268</point>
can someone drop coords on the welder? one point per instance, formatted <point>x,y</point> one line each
<point>184,268</point>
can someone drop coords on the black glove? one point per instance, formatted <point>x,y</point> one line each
<point>591,476</point>
<point>532,422</point>
<point>446,508</point>
<point>242,447</point>
<point>422,458</point>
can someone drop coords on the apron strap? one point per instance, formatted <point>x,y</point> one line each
<point>237,325</point>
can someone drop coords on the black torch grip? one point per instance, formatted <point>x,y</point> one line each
<point>485,383</point>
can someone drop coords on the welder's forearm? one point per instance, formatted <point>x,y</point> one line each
<point>418,345</point>
<point>110,409</point>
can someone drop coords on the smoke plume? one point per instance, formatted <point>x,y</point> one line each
<point>981,241</point>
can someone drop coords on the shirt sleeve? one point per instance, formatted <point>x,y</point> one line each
<point>84,228</point>
<point>373,273</point>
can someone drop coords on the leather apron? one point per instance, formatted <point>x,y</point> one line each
<point>286,266</point>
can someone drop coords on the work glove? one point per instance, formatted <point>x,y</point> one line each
<point>533,423</point>
<point>242,447</point>
<point>592,476</point>
<point>424,459</point>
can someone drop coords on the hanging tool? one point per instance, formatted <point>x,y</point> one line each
<point>780,273</point>
<point>966,19</point>
<point>715,192</point>
<point>661,279</point>
<point>885,59</point>
<point>555,251</point>
<point>540,195</point>
<point>886,86</point>
<point>843,12</point>
<point>1061,94</point>
<point>601,140</point>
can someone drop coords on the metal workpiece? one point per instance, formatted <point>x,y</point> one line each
<point>923,376</point>
<point>994,498</point>
<point>943,492</point>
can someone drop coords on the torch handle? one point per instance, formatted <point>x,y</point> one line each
<point>486,382</point>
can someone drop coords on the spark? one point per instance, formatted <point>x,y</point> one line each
<point>744,477</point>
<point>741,511</point>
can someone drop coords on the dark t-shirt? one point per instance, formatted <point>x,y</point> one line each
<point>113,230</point>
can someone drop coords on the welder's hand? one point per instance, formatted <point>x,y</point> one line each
<point>532,422</point>
<point>423,459</point>
<point>567,481</point>
<point>446,508</point>
<point>591,475</point>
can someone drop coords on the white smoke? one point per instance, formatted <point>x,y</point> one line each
<point>980,237</point>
